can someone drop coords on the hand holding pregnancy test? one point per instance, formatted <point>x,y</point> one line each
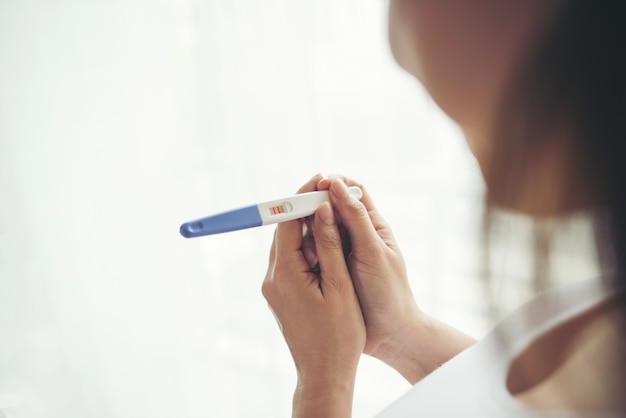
<point>272,212</point>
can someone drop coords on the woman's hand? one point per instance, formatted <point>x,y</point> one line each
<point>398,333</point>
<point>376,265</point>
<point>318,313</point>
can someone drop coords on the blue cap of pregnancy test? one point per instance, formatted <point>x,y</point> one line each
<point>232,220</point>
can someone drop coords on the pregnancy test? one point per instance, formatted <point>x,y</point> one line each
<point>272,212</point>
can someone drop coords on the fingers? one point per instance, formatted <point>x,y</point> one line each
<point>311,185</point>
<point>288,241</point>
<point>290,263</point>
<point>359,217</point>
<point>308,250</point>
<point>290,244</point>
<point>332,264</point>
<point>326,184</point>
<point>308,244</point>
<point>289,232</point>
<point>321,249</point>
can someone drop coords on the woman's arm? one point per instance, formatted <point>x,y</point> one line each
<point>421,347</point>
<point>323,400</point>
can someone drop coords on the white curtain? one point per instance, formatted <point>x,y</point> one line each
<point>119,120</point>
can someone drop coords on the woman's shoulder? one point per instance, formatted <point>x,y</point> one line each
<point>515,370</point>
<point>578,365</point>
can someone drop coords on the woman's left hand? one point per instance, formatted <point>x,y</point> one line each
<point>318,313</point>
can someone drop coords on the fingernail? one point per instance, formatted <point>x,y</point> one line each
<point>340,189</point>
<point>326,214</point>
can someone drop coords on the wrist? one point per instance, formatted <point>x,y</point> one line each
<point>324,396</point>
<point>402,350</point>
<point>421,346</point>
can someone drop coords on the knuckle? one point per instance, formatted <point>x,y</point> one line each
<point>369,252</point>
<point>277,280</point>
<point>329,239</point>
<point>338,283</point>
<point>270,291</point>
<point>266,289</point>
<point>358,209</point>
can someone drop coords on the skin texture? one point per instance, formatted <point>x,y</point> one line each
<point>318,313</point>
<point>398,332</point>
<point>464,54</point>
<point>337,283</point>
<point>331,307</point>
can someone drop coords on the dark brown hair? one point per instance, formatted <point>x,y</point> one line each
<point>573,75</point>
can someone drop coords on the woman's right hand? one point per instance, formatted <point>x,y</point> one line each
<point>398,332</point>
<point>376,265</point>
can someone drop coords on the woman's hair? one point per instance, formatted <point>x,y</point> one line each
<point>574,75</point>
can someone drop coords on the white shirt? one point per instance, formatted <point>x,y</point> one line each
<point>473,383</point>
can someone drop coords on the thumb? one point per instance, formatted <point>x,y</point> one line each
<point>332,264</point>
<point>355,216</point>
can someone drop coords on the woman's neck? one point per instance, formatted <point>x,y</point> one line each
<point>542,183</point>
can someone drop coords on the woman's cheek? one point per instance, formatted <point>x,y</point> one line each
<point>401,37</point>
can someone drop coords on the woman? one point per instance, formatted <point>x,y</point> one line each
<point>538,90</point>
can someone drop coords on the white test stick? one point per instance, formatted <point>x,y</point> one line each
<point>272,212</point>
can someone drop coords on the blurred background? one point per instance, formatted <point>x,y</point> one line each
<point>120,120</point>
